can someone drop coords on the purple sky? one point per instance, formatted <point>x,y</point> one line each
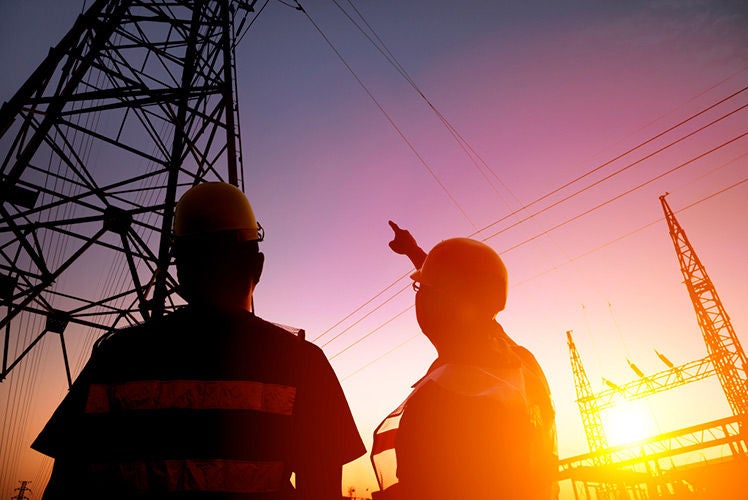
<point>544,92</point>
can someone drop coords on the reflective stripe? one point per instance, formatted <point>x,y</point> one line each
<point>227,476</point>
<point>191,394</point>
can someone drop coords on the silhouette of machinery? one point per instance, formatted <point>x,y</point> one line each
<point>646,469</point>
<point>135,104</point>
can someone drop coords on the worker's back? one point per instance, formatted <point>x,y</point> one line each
<point>478,433</point>
<point>203,405</point>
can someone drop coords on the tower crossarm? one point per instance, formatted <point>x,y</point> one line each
<point>655,383</point>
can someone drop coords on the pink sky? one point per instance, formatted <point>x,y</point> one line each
<point>544,93</point>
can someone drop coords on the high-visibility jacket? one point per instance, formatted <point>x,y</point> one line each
<point>478,431</point>
<point>198,404</point>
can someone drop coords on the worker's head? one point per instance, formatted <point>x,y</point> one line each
<point>216,247</point>
<point>462,283</point>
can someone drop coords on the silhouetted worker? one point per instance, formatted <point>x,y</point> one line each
<point>209,402</point>
<point>480,424</point>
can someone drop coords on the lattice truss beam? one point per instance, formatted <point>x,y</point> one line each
<point>649,385</point>
<point>723,432</point>
<point>136,103</point>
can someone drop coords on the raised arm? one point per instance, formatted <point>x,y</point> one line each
<point>404,244</point>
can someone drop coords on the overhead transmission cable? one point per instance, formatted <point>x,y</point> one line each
<point>239,38</point>
<point>588,211</point>
<point>464,144</point>
<point>372,332</point>
<point>617,197</point>
<point>361,307</point>
<point>643,227</point>
<point>531,216</point>
<point>366,315</point>
<point>466,147</point>
<point>618,157</point>
<point>389,118</point>
<point>409,339</point>
<point>384,50</point>
<point>380,45</point>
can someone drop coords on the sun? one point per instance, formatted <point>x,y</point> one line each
<point>628,422</point>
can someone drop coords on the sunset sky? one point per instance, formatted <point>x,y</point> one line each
<point>544,92</point>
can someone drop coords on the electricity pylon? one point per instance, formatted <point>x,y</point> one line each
<point>136,103</point>
<point>722,344</point>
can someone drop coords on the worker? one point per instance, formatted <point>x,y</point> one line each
<point>210,401</point>
<point>480,424</point>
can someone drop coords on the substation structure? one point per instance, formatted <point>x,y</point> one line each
<point>662,466</point>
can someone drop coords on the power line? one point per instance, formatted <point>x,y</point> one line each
<point>360,307</point>
<point>626,167</point>
<point>582,214</point>
<point>576,193</point>
<point>381,356</point>
<point>361,339</point>
<point>596,249</point>
<point>621,195</point>
<point>389,118</point>
<point>365,315</point>
<point>464,145</point>
<point>381,46</point>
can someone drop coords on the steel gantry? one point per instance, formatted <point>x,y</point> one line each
<point>635,468</point>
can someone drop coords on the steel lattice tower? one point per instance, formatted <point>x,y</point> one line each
<point>134,105</point>
<point>723,346</point>
<point>725,359</point>
<point>588,409</point>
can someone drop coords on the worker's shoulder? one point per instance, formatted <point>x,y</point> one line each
<point>274,331</point>
<point>132,335</point>
<point>525,355</point>
<point>193,327</point>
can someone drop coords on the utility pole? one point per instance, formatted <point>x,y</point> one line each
<point>22,491</point>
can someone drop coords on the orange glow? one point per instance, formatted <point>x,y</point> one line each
<point>628,422</point>
<point>544,92</point>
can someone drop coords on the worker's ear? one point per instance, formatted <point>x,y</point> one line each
<point>257,264</point>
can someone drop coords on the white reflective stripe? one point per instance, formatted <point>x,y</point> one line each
<point>191,394</point>
<point>227,476</point>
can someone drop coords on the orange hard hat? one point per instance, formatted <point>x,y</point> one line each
<point>215,207</point>
<point>466,268</point>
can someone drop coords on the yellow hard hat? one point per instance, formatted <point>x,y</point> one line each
<point>466,268</point>
<point>215,207</point>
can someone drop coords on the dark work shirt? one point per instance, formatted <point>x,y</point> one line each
<point>182,406</point>
<point>456,444</point>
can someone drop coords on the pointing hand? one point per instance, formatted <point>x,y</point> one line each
<point>403,243</point>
